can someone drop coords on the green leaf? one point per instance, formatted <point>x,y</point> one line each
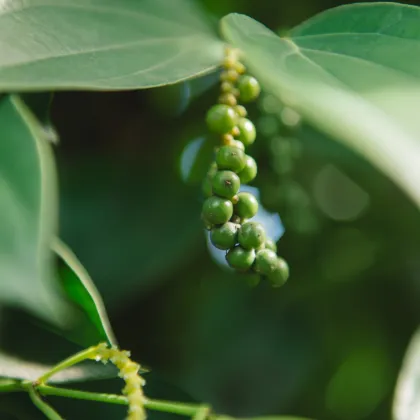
<point>352,72</point>
<point>407,394</point>
<point>81,290</point>
<point>14,368</point>
<point>28,208</point>
<point>103,44</point>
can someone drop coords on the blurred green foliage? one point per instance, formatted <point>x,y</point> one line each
<point>328,345</point>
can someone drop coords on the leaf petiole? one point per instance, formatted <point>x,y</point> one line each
<point>73,360</point>
<point>49,412</point>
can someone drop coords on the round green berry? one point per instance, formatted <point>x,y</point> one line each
<point>217,210</point>
<point>221,118</point>
<point>212,169</point>
<point>252,235</point>
<point>247,132</point>
<point>280,274</point>
<point>265,262</point>
<point>270,244</point>
<point>207,224</point>
<point>249,88</point>
<point>250,171</point>
<point>206,186</point>
<point>231,158</point>
<point>241,259</point>
<point>238,144</point>
<point>225,236</point>
<point>246,206</point>
<point>225,184</point>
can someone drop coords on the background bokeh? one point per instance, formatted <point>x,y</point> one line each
<point>328,345</point>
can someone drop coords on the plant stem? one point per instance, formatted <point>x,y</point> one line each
<point>202,413</point>
<point>182,409</point>
<point>50,413</point>
<point>82,395</point>
<point>10,386</point>
<point>157,405</point>
<point>172,407</point>
<point>77,358</point>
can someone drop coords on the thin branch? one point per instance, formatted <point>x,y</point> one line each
<point>73,360</point>
<point>49,412</point>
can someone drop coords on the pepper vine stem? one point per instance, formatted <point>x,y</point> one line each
<point>183,409</point>
<point>71,361</point>
<point>202,413</point>
<point>49,412</point>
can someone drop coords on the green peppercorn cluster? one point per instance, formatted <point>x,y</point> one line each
<point>226,210</point>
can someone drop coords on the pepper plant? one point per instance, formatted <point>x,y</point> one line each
<point>352,72</point>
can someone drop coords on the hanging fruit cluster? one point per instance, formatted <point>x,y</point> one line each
<point>227,211</point>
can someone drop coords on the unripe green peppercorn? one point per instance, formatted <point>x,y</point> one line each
<point>206,186</point>
<point>231,158</point>
<point>240,258</point>
<point>251,235</point>
<point>249,173</point>
<point>247,205</point>
<point>249,88</point>
<point>225,184</point>
<point>207,224</point>
<point>280,274</point>
<point>225,236</point>
<point>221,118</point>
<point>265,262</point>
<point>270,244</point>
<point>217,210</point>
<point>247,132</point>
<point>238,144</point>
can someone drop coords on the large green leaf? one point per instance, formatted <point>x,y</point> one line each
<point>81,290</point>
<point>28,209</point>
<point>353,72</point>
<point>407,395</point>
<point>103,44</point>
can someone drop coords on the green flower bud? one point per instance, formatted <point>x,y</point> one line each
<point>241,111</point>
